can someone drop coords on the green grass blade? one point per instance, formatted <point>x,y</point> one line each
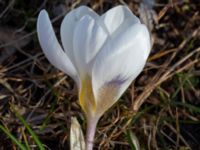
<point>15,140</point>
<point>133,141</point>
<point>32,133</point>
<point>25,140</point>
<point>189,106</point>
<point>46,120</point>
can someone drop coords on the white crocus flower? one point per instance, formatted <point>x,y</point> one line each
<point>103,54</point>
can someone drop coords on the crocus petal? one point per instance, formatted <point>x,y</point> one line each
<point>51,47</point>
<point>119,62</point>
<point>116,17</point>
<point>89,37</point>
<point>68,25</point>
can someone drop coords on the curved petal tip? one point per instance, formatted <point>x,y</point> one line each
<point>51,46</point>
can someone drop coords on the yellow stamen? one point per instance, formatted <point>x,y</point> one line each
<point>86,96</point>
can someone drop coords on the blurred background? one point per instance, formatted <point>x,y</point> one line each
<point>30,87</point>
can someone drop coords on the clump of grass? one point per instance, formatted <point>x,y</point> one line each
<point>22,146</point>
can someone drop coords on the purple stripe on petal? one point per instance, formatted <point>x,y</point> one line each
<point>117,81</point>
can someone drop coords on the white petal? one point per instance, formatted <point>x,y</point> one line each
<point>89,37</point>
<point>68,26</point>
<point>120,62</point>
<point>116,17</point>
<point>51,47</point>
